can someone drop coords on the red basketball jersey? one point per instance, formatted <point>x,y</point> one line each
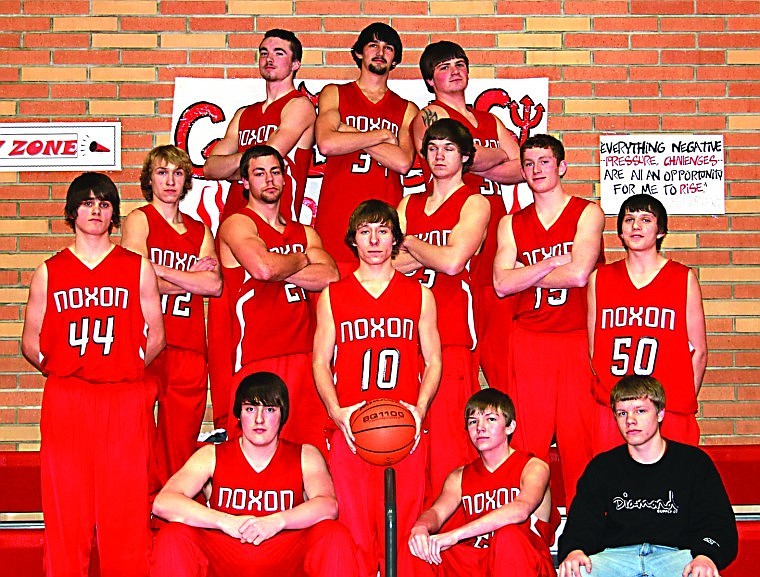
<point>239,490</point>
<point>183,313</point>
<point>452,293</point>
<point>377,346</point>
<point>255,126</point>
<point>484,491</point>
<point>269,319</point>
<point>94,327</point>
<point>353,178</point>
<point>642,331</point>
<point>486,135</point>
<point>551,310</point>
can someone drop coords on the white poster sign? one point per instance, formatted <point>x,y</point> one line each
<point>203,108</point>
<point>60,146</point>
<point>684,171</point>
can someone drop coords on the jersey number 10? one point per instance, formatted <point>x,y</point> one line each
<point>385,369</point>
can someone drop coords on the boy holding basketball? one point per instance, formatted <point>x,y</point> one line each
<point>271,507</point>
<point>371,327</point>
<point>498,493</point>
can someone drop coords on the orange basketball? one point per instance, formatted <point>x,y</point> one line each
<point>383,432</point>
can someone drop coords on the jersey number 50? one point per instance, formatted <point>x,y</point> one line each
<point>644,357</point>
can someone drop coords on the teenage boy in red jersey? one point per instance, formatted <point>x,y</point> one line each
<point>183,256</point>
<point>269,263</point>
<point>645,317</point>
<point>444,228</point>
<point>285,121</point>
<point>376,337</point>
<point>499,494</point>
<point>445,70</point>
<point>546,253</point>
<point>363,130</point>
<point>271,506</point>
<point>93,322</point>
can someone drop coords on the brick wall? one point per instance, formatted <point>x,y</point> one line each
<point>614,66</point>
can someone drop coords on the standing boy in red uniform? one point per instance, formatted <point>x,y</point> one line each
<point>184,260</point>
<point>444,229</point>
<point>546,253</point>
<point>375,329</point>
<point>645,317</point>
<point>271,506</point>
<point>445,70</point>
<point>363,130</point>
<point>285,121</point>
<point>269,263</point>
<point>501,493</point>
<point>93,321</point>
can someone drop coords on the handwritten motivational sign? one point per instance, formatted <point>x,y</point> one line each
<point>684,171</point>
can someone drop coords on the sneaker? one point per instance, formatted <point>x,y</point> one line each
<point>215,436</point>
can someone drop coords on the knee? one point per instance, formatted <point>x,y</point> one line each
<point>331,533</point>
<point>173,535</point>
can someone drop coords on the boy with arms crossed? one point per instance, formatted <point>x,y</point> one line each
<point>268,263</point>
<point>444,228</point>
<point>363,130</point>
<point>546,253</point>
<point>183,256</point>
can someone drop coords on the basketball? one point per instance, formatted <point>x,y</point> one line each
<point>383,432</point>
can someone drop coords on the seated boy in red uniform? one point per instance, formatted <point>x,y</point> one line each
<point>271,506</point>
<point>502,495</point>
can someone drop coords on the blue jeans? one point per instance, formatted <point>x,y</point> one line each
<point>639,561</point>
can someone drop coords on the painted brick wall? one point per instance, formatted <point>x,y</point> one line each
<point>615,65</point>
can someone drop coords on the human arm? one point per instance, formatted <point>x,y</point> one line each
<point>423,542</point>
<point>404,262</point>
<point>591,312</point>
<point>501,164</point>
<point>509,275</point>
<point>296,126</point>
<point>533,483</point>
<point>586,519</point>
<point>151,309</point>
<point>711,525</point>
<point>334,138</point>
<point>202,278</point>
<point>324,346</point>
<point>462,243</point>
<point>430,345</point>
<point>398,157</point>
<point>695,329</point>
<point>239,235</point>
<point>321,269</point>
<point>224,160</point>
<point>176,503</point>
<point>33,317</point>
<point>560,271</point>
